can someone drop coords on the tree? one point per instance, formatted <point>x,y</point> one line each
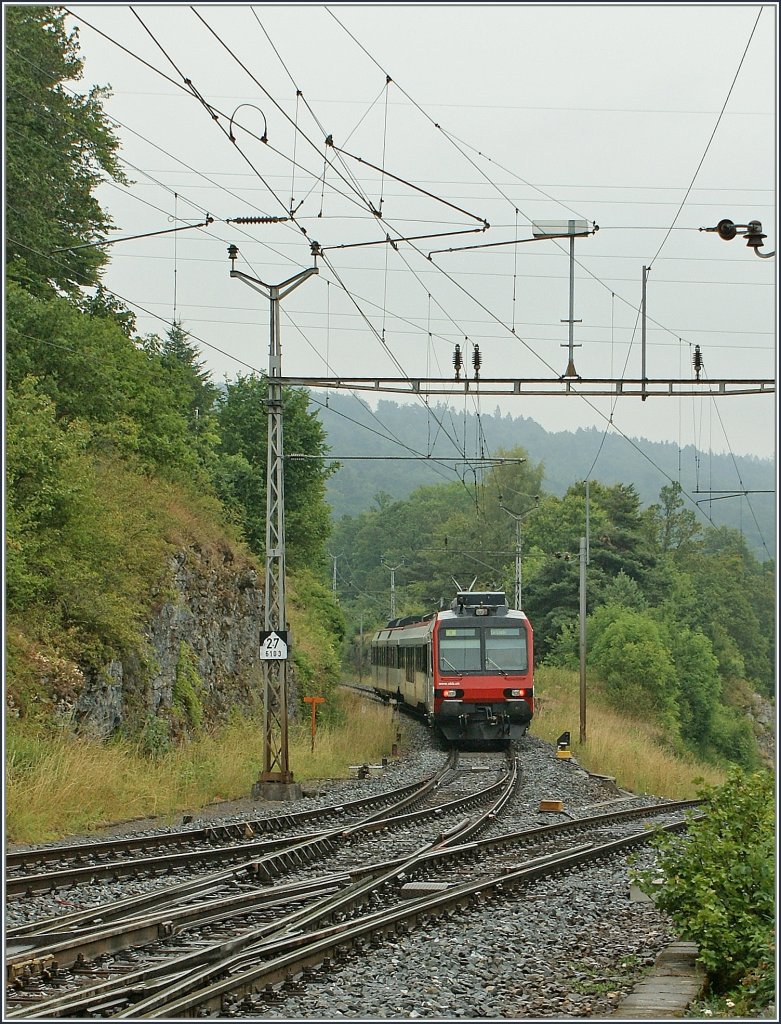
<point>630,654</point>
<point>59,146</point>
<point>191,384</point>
<point>137,404</point>
<point>674,528</point>
<point>241,473</point>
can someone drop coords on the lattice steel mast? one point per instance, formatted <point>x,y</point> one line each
<point>276,772</point>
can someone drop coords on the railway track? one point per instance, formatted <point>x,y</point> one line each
<point>208,945</point>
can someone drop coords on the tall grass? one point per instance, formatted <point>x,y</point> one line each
<point>634,751</point>
<point>58,785</point>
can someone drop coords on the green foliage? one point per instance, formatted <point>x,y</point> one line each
<point>59,146</point>
<point>155,737</point>
<point>730,738</point>
<point>438,534</point>
<point>630,655</point>
<point>673,527</point>
<point>187,688</point>
<point>140,401</point>
<point>623,590</point>
<point>735,601</point>
<point>699,687</point>
<point>70,569</point>
<point>241,472</point>
<point>318,627</point>
<point>719,884</point>
<point>45,491</point>
<point>563,454</point>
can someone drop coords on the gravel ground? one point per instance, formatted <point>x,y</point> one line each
<point>562,948</point>
<point>567,947</point>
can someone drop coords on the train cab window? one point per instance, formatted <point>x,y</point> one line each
<point>505,648</point>
<point>459,650</point>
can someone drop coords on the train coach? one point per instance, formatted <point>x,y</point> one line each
<point>468,669</point>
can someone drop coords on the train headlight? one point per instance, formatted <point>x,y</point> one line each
<point>450,693</point>
<point>515,693</point>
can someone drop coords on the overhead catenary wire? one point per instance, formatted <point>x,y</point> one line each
<point>594,276</point>
<point>211,111</point>
<point>234,358</point>
<point>712,135</point>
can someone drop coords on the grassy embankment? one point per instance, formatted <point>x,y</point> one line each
<point>58,785</point>
<point>635,751</point>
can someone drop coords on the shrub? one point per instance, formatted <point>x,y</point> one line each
<point>631,655</point>
<point>719,885</point>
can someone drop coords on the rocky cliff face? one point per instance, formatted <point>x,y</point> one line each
<point>762,715</point>
<point>201,651</point>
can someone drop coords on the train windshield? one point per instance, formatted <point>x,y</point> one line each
<point>483,649</point>
<point>459,650</point>
<point>505,648</point>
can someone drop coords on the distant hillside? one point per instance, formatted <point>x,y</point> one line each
<point>353,429</point>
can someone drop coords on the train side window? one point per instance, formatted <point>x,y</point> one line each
<point>420,659</point>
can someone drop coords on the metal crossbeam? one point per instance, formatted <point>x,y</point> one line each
<point>664,387</point>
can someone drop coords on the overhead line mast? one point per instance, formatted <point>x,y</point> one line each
<point>276,779</point>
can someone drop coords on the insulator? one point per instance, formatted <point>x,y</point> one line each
<point>258,220</point>
<point>754,236</point>
<point>457,361</point>
<point>477,359</point>
<point>697,360</point>
<point>726,229</point>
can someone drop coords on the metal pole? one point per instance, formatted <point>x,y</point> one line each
<point>360,654</point>
<point>519,547</point>
<point>571,362</point>
<point>582,639</point>
<point>518,563</point>
<point>570,371</point>
<point>276,768</point>
<point>642,342</point>
<point>392,569</point>
<point>588,531</point>
<point>275,747</point>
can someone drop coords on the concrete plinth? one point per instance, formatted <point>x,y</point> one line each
<point>276,791</point>
<point>675,982</point>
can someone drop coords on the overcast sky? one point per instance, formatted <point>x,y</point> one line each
<point>501,113</point>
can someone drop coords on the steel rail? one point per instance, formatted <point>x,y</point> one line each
<point>292,850</point>
<point>350,898</point>
<point>282,932</point>
<point>208,833</point>
<point>326,907</point>
<point>312,953</point>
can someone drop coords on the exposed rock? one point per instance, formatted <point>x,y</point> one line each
<point>213,611</point>
<point>762,715</point>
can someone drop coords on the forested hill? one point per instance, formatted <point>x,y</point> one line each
<point>353,429</point>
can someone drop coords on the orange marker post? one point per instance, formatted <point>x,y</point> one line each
<point>314,701</point>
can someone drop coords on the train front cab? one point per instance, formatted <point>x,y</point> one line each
<point>483,670</point>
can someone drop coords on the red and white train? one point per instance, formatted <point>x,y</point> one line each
<point>468,669</point>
